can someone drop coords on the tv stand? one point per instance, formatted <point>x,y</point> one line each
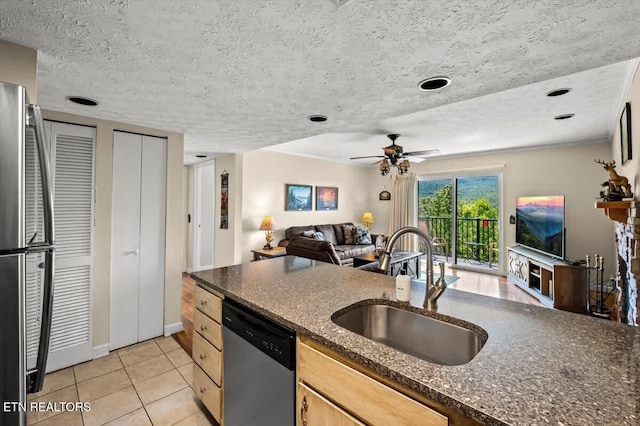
<point>554,282</point>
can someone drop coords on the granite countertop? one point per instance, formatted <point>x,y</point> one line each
<point>538,366</point>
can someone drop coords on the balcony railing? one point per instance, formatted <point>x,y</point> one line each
<point>477,238</point>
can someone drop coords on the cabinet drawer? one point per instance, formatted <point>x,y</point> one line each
<point>207,357</point>
<point>314,410</point>
<point>208,303</point>
<point>208,392</point>
<point>364,397</point>
<point>208,328</point>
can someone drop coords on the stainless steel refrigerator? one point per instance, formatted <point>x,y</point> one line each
<point>26,252</point>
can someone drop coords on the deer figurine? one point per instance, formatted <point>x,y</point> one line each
<point>619,183</point>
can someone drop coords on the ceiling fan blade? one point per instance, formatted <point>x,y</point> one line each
<point>414,159</point>
<point>368,156</point>
<point>377,162</point>
<point>421,153</point>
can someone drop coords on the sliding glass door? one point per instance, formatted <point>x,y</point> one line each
<point>462,216</point>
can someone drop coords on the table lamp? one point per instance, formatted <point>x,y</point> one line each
<point>367,219</point>
<point>268,225</point>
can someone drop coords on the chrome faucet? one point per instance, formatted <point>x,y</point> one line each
<point>433,291</point>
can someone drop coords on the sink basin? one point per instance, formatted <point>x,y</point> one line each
<point>414,334</point>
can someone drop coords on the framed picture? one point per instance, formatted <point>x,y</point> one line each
<point>385,195</point>
<point>224,200</point>
<point>625,134</point>
<point>298,197</point>
<point>326,198</point>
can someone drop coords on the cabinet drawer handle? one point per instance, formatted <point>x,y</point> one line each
<point>203,327</point>
<point>303,411</point>
<point>203,302</point>
<point>202,390</point>
<point>203,356</point>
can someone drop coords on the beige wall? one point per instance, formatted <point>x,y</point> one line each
<point>568,171</point>
<point>632,169</point>
<point>265,175</point>
<point>19,66</point>
<point>228,247</point>
<point>174,240</point>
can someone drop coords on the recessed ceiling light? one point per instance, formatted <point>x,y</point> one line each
<point>81,100</point>
<point>317,118</point>
<point>434,83</point>
<point>559,92</point>
<point>563,116</point>
<point>201,156</point>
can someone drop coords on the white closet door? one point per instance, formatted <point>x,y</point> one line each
<point>125,239</point>
<point>204,218</point>
<point>72,152</point>
<point>152,237</point>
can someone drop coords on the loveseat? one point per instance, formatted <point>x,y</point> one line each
<point>303,241</point>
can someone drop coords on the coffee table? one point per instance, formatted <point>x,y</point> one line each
<point>407,261</point>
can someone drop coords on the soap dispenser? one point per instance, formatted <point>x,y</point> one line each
<point>403,287</point>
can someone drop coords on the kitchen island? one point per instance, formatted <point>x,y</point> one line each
<point>538,365</point>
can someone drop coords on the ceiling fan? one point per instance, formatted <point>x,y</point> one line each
<point>395,156</point>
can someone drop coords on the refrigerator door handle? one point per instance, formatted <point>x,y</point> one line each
<point>35,377</point>
<point>45,172</point>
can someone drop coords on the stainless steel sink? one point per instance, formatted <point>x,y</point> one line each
<point>414,334</point>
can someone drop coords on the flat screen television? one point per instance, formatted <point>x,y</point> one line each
<point>540,224</point>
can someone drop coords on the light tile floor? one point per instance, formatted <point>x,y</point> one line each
<point>149,383</point>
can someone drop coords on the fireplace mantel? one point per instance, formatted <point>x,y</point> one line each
<point>618,211</point>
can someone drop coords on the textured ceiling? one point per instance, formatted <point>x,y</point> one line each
<point>239,75</point>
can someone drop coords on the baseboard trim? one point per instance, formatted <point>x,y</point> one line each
<point>188,270</point>
<point>174,328</point>
<point>100,351</point>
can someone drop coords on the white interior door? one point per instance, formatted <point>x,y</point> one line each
<point>125,239</point>
<point>204,218</point>
<point>152,237</point>
<point>72,152</point>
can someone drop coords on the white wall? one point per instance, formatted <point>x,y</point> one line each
<point>568,171</point>
<point>265,174</point>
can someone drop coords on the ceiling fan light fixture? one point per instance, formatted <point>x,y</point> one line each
<point>559,92</point>
<point>317,118</point>
<point>434,83</point>
<point>563,116</point>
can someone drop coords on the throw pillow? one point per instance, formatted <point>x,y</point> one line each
<point>363,235</point>
<point>309,234</point>
<point>320,236</point>
<point>350,236</point>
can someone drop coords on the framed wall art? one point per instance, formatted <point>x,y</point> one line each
<point>224,200</point>
<point>326,198</point>
<point>298,197</point>
<point>625,134</point>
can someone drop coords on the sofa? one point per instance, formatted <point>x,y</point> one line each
<point>302,241</point>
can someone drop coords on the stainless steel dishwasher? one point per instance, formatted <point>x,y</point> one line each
<point>259,369</point>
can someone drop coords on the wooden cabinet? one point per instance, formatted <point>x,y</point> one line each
<point>314,409</point>
<point>554,282</point>
<point>335,391</point>
<point>207,351</point>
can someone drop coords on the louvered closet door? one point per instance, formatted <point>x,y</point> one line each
<point>73,151</point>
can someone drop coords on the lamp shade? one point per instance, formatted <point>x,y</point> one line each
<point>367,217</point>
<point>268,224</point>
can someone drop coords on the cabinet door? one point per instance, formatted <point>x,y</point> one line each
<point>315,410</point>
<point>125,239</point>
